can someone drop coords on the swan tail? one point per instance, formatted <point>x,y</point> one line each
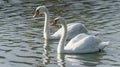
<point>104,44</point>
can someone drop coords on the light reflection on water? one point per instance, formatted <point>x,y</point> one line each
<point>22,43</point>
<point>79,60</point>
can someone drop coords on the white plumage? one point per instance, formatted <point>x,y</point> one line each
<point>82,43</point>
<point>73,28</point>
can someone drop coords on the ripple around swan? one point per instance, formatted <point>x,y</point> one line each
<point>21,36</point>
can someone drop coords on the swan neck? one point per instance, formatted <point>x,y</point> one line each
<point>62,41</point>
<point>46,25</point>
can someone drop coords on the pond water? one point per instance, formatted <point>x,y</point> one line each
<point>21,35</point>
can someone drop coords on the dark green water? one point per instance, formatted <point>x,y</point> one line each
<point>22,43</point>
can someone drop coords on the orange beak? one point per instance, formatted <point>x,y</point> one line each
<point>52,23</point>
<point>36,14</point>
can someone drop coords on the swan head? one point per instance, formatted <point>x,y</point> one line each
<point>39,9</point>
<point>58,20</point>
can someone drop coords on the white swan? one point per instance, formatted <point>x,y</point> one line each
<point>73,28</point>
<point>81,43</point>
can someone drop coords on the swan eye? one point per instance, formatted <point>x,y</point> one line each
<point>37,10</point>
<point>36,13</point>
<point>56,20</point>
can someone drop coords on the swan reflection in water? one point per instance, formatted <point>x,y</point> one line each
<point>77,60</point>
<point>46,59</point>
<point>69,60</point>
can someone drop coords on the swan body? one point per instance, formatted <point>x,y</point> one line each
<point>73,28</point>
<point>82,43</point>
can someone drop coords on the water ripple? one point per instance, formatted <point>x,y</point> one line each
<point>21,36</point>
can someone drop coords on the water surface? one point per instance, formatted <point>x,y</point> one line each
<point>22,43</point>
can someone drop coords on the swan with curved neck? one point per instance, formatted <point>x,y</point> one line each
<point>81,43</point>
<point>73,28</point>
<point>44,10</point>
